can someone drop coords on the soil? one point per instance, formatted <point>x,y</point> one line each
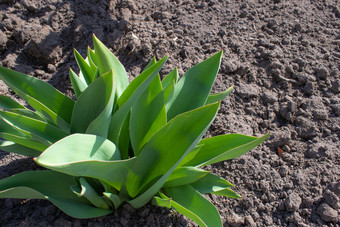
<point>283,58</point>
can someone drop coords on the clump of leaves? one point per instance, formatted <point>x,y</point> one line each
<point>120,142</point>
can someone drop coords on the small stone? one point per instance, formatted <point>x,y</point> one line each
<point>332,199</point>
<point>293,202</point>
<point>235,220</point>
<point>305,128</point>
<point>320,114</point>
<point>269,97</point>
<point>51,68</point>
<point>322,72</point>
<point>327,213</point>
<point>249,221</point>
<point>309,88</point>
<point>336,189</point>
<point>336,86</point>
<point>3,41</point>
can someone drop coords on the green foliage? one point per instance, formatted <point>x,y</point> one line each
<point>120,142</point>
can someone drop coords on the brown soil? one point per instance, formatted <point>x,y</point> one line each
<point>283,57</point>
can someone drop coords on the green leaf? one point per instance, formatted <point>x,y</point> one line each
<point>33,126</point>
<point>93,109</point>
<point>87,72</point>
<point>218,96</point>
<point>224,147</point>
<point>78,84</point>
<point>12,147</point>
<point>27,113</point>
<point>193,88</point>
<point>184,175</point>
<point>172,76</point>
<point>42,92</point>
<point>158,201</point>
<point>129,97</point>
<point>107,62</point>
<point>87,155</point>
<point>87,191</point>
<point>187,201</point>
<point>52,186</point>
<point>115,199</point>
<point>92,58</point>
<point>215,185</point>
<point>8,103</point>
<point>167,148</point>
<point>152,62</point>
<point>148,115</point>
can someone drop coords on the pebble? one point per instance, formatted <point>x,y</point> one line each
<point>336,86</point>
<point>327,213</point>
<point>3,41</point>
<point>249,221</point>
<point>322,72</point>
<point>269,97</point>
<point>293,202</point>
<point>331,199</point>
<point>235,220</point>
<point>305,128</point>
<point>309,88</point>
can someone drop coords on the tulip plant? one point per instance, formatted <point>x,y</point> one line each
<point>119,142</point>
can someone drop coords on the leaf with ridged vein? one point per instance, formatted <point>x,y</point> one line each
<point>129,97</point>
<point>224,147</point>
<point>148,115</point>
<point>193,88</point>
<point>184,175</point>
<point>43,92</point>
<point>166,149</point>
<point>36,127</point>
<point>49,185</point>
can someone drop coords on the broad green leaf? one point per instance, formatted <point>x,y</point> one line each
<point>193,88</point>
<point>148,115</point>
<point>172,76</point>
<point>87,191</point>
<point>52,186</point>
<point>89,156</point>
<point>78,84</point>
<point>152,62</point>
<point>107,62</point>
<point>43,92</point>
<point>215,185</point>
<point>168,147</point>
<point>184,175</point>
<point>86,70</point>
<point>41,129</point>
<point>189,156</point>
<point>92,111</point>
<point>224,147</point>
<point>187,201</point>
<point>8,103</point>
<point>218,96</point>
<point>124,139</point>
<point>12,147</point>
<point>129,97</point>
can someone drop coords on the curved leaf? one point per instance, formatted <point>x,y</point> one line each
<point>92,111</point>
<point>152,62</point>
<point>87,72</point>
<point>148,115</point>
<point>218,96</point>
<point>52,186</point>
<point>193,88</point>
<point>184,175</point>
<point>87,155</point>
<point>167,148</point>
<point>172,76</point>
<point>33,126</point>
<point>224,147</point>
<point>187,201</point>
<point>43,92</point>
<point>8,103</point>
<point>106,61</point>
<point>129,97</point>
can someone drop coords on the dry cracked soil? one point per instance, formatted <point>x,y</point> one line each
<point>282,56</point>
